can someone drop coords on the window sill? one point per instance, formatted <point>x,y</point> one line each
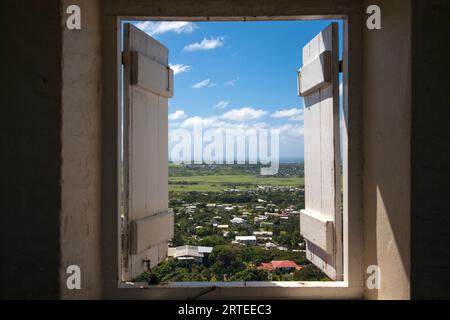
<point>236,290</point>
<point>238,284</point>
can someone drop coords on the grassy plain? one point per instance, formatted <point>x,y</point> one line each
<point>185,180</point>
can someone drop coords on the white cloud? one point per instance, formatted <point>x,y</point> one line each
<point>205,44</point>
<point>204,83</point>
<point>287,132</point>
<point>210,122</point>
<point>192,122</point>
<point>217,123</point>
<point>292,114</point>
<point>290,131</point>
<point>177,115</point>
<point>221,104</point>
<point>179,68</point>
<point>232,81</point>
<point>243,114</point>
<point>290,135</point>
<point>156,28</point>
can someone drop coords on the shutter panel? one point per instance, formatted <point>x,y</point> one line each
<point>148,83</point>
<point>321,220</point>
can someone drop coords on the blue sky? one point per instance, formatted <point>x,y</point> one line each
<point>238,74</point>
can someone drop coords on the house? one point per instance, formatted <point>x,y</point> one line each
<point>189,253</point>
<point>222,226</point>
<point>265,266</point>
<point>246,240</point>
<point>270,245</point>
<point>260,218</point>
<point>279,265</point>
<point>191,209</point>
<point>237,220</point>
<point>262,233</point>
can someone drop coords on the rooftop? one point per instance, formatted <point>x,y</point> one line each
<point>189,251</point>
<point>245,238</point>
<point>279,264</point>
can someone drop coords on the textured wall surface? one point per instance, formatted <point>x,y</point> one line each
<point>386,145</point>
<point>80,183</point>
<point>30,144</point>
<point>430,165</point>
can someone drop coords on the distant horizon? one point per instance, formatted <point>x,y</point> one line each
<point>282,161</point>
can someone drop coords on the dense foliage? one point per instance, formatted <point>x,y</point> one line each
<point>265,204</point>
<point>231,263</point>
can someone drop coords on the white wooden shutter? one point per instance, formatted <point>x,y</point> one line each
<point>321,220</point>
<point>148,83</point>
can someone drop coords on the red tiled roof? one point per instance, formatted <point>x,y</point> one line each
<point>277,264</point>
<point>284,264</point>
<point>265,266</point>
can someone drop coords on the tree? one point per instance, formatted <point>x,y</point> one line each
<point>212,241</point>
<point>178,239</point>
<point>309,273</point>
<point>251,275</point>
<point>254,254</point>
<point>225,260</point>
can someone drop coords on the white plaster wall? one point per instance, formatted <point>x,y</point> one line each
<point>81,98</point>
<point>386,148</point>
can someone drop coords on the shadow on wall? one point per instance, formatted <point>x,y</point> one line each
<point>386,150</point>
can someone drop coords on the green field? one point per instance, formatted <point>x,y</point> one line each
<point>216,183</point>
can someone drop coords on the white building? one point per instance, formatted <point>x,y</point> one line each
<point>262,233</point>
<point>190,253</point>
<point>246,240</point>
<point>237,220</point>
<point>260,218</point>
<point>270,245</point>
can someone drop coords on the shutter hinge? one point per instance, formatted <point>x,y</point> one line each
<point>168,78</point>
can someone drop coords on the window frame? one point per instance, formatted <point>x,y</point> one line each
<point>113,287</point>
